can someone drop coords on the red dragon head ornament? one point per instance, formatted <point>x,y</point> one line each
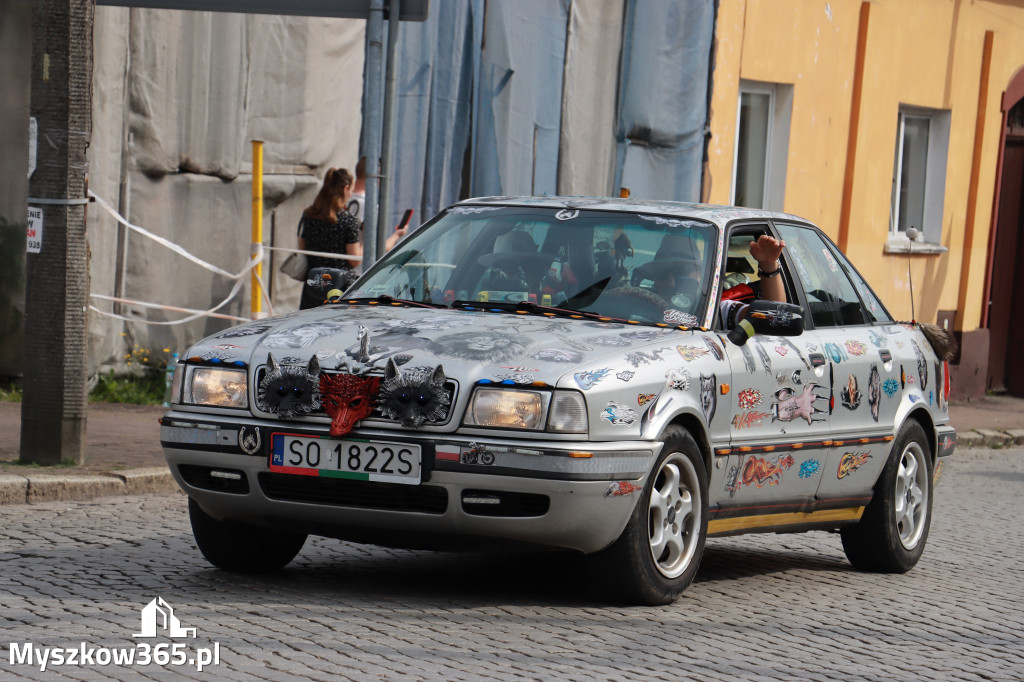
<point>347,399</point>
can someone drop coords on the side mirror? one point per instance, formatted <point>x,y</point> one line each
<point>769,317</point>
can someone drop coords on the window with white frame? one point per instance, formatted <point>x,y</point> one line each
<point>762,145</point>
<point>919,174</point>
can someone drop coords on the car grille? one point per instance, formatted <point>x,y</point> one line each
<point>449,386</point>
<point>425,499</point>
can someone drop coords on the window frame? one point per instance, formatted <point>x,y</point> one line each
<point>780,113</point>
<point>934,188</point>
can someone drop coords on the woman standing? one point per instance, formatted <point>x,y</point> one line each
<point>328,226</point>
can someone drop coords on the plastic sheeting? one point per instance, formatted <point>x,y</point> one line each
<point>518,111</point>
<point>586,162</point>
<point>437,61</point>
<point>664,94</point>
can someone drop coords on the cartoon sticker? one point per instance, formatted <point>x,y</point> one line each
<point>890,387</point>
<point>856,347</point>
<point>876,338</point>
<point>586,380</point>
<point>678,379</point>
<point>850,394</point>
<point>757,471</point>
<point>680,318</point>
<point>749,419</point>
<point>922,365</point>
<point>874,392</point>
<point>809,468</point>
<point>766,360</point>
<point>836,352</point>
<point>558,355</point>
<point>691,353</point>
<point>749,398</point>
<point>619,488</point>
<point>618,414</point>
<point>644,398</point>
<point>708,396</point>
<point>790,405</point>
<point>850,462</point>
<point>625,375</point>
<point>748,359</point>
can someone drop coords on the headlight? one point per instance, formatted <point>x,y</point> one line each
<point>216,387</point>
<point>508,408</point>
<point>568,413</point>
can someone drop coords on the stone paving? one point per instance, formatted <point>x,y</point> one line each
<point>763,607</point>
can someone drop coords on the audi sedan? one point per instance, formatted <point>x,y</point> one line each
<point>616,377</point>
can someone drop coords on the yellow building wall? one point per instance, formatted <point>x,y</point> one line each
<point>925,53</point>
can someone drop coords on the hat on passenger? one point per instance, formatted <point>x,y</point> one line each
<point>517,246</point>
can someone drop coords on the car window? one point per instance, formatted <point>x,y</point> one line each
<point>831,296</point>
<point>875,310</point>
<point>646,268</point>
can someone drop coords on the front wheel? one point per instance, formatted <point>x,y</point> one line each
<point>658,553</point>
<point>240,547</point>
<point>891,535</point>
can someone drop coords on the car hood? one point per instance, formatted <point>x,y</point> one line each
<point>470,345</point>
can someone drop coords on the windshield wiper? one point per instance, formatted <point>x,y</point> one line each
<point>531,308</point>
<point>389,300</point>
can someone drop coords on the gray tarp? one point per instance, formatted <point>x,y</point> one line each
<point>664,93</point>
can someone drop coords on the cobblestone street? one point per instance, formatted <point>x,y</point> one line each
<point>784,607</point>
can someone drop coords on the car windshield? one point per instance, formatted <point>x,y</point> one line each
<point>631,266</point>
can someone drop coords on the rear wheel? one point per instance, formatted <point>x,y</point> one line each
<point>891,535</point>
<point>658,553</point>
<point>236,546</point>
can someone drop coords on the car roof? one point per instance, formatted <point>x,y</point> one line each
<point>713,213</point>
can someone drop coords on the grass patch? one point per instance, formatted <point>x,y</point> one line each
<point>10,391</point>
<point>145,388</point>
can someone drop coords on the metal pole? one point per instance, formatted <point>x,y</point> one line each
<point>386,173</point>
<point>372,111</point>
<point>255,297</point>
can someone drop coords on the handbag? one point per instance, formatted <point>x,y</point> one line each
<point>295,266</point>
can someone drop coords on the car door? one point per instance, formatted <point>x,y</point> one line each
<point>855,351</point>
<point>779,406</point>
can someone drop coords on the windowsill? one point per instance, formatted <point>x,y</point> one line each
<point>904,245</point>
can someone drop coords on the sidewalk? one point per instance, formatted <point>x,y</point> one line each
<point>123,454</point>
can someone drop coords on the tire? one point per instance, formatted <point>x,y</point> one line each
<point>240,547</point>
<point>658,553</point>
<point>891,535</point>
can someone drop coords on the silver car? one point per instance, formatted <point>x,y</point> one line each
<point>556,371</point>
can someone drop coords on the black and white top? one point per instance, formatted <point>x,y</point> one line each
<point>330,237</point>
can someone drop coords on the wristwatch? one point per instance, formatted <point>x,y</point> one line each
<point>766,273</point>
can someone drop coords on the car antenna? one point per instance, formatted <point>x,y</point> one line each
<point>912,233</point>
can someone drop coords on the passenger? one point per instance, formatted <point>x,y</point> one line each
<point>327,226</point>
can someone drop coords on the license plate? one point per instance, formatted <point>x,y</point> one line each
<point>361,460</point>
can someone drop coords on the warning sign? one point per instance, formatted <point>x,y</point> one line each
<point>34,234</point>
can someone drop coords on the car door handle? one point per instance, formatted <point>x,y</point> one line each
<point>885,355</point>
<point>817,359</point>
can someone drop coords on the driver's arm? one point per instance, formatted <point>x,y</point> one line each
<point>766,251</point>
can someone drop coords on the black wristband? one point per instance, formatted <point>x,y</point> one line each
<point>765,273</point>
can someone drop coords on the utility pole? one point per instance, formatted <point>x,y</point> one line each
<point>54,406</point>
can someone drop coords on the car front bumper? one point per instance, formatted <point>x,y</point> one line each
<point>553,493</point>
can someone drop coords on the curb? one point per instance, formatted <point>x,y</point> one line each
<point>36,488</point>
<point>990,438</point>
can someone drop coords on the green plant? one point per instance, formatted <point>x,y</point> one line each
<point>10,391</point>
<point>142,388</point>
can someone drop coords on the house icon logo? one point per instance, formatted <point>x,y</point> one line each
<point>158,614</point>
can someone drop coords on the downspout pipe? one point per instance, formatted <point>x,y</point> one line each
<point>372,126</point>
<point>387,175</point>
